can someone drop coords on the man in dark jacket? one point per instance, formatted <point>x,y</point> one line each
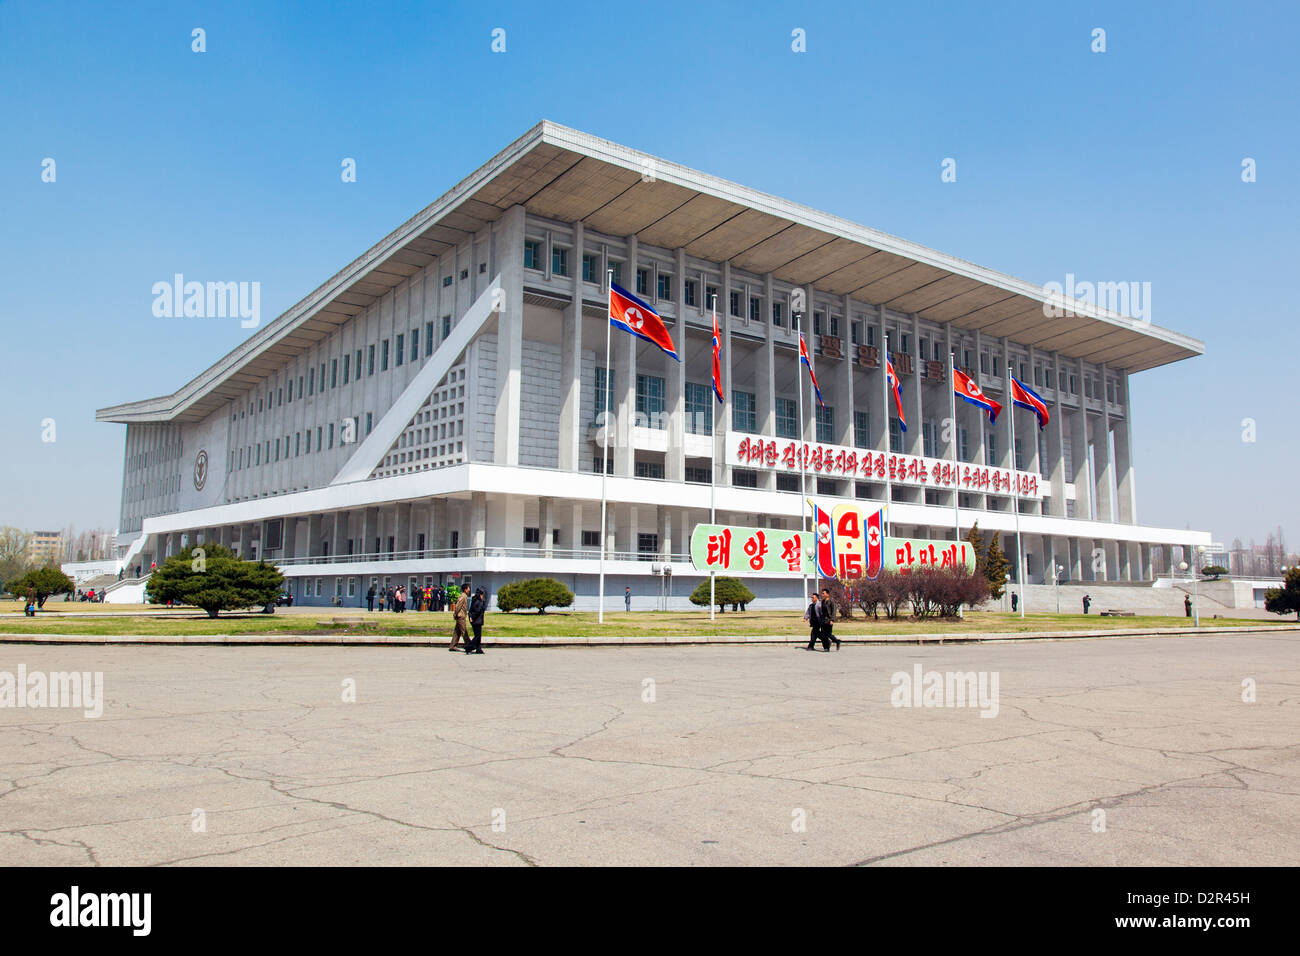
<point>370,598</point>
<point>1087,602</point>
<point>815,616</point>
<point>477,608</point>
<point>828,620</point>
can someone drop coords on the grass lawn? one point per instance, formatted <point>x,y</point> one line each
<point>120,619</point>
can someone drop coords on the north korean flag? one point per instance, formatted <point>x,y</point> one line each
<point>967,388</point>
<point>1026,397</point>
<point>803,357</point>
<point>875,541</point>
<point>717,360</point>
<point>630,314</point>
<point>824,533</point>
<point>891,377</point>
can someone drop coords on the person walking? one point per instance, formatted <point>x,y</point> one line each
<point>828,619</point>
<point>813,615</point>
<point>30,607</point>
<point>460,614</point>
<point>1087,602</point>
<point>370,598</point>
<point>1015,601</point>
<point>1187,605</point>
<point>477,608</point>
<point>627,599</point>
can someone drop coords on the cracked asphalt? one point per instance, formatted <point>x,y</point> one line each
<point>558,756</point>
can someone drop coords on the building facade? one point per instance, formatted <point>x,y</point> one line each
<point>433,412</point>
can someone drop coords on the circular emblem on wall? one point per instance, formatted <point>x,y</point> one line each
<point>200,469</point>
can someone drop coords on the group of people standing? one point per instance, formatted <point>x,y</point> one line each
<point>820,616</point>
<point>394,598</point>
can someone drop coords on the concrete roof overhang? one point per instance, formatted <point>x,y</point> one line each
<point>563,174</point>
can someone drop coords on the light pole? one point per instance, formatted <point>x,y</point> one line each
<point>1059,569</point>
<point>1196,604</point>
<point>1005,591</point>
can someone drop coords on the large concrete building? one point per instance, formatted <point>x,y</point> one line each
<point>431,412</point>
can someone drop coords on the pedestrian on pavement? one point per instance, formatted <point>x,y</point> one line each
<point>1087,602</point>
<point>1187,604</point>
<point>828,619</point>
<point>1015,601</point>
<point>370,598</point>
<point>460,614</point>
<point>477,608</point>
<point>627,599</point>
<point>813,615</point>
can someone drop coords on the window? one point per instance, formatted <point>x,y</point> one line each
<point>964,447</point>
<point>590,268</point>
<point>446,327</point>
<point>778,318</point>
<point>755,310</point>
<point>710,293</point>
<point>1020,455</point>
<point>311,381</point>
<point>787,418</point>
<point>604,398</point>
<point>532,536</point>
<point>319,435</point>
<point>369,421</point>
<point>699,419</point>
<point>647,544</point>
<point>370,365</point>
<point>861,429</point>
<point>895,436</point>
<point>991,448</point>
<point>591,539</point>
<point>744,411</point>
<point>649,469</point>
<point>642,281</point>
<point>744,478</point>
<point>608,467</point>
<point>817,323</point>
<point>984,362</point>
<point>735,304</point>
<point>787,482</point>
<point>277,449</point>
<point>559,261</point>
<point>383,356</point>
<point>300,386</point>
<point>855,333</point>
<point>428,339</point>
<point>446,281</point>
<point>532,257</point>
<point>617,269</point>
<point>297,444</point>
<point>835,326</point>
<point>665,286</point>
<point>415,344</point>
<point>334,373</point>
<point>322,376</point>
<point>691,291</point>
<point>825,423</point>
<point>401,348</point>
<point>307,444</point>
<point>650,400</point>
<point>357,366</point>
<point>331,434</point>
<point>927,439</point>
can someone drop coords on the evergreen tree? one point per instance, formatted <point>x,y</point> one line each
<point>996,567</point>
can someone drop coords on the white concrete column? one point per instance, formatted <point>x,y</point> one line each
<point>624,352</point>
<point>914,439</point>
<point>1056,444</point>
<point>510,336</point>
<point>570,448</point>
<point>675,459</point>
<point>546,525</point>
<point>765,383</point>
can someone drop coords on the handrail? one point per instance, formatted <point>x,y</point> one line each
<point>556,554</point>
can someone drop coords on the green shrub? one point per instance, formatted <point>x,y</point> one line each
<point>215,579</point>
<point>725,591</point>
<point>539,593</point>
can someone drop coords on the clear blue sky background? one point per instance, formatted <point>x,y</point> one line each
<point>225,165</point>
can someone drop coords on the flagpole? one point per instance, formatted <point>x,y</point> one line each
<point>604,453</point>
<point>957,436</point>
<point>1015,483</point>
<point>889,446</point>
<point>713,467</point>
<point>798,395</point>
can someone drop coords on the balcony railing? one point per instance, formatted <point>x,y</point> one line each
<point>444,554</point>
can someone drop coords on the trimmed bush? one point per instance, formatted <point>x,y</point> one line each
<point>215,579</point>
<point>539,593</point>
<point>725,591</point>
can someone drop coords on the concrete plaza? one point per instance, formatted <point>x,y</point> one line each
<point>696,755</point>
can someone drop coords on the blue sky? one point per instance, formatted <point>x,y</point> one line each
<point>1123,165</point>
